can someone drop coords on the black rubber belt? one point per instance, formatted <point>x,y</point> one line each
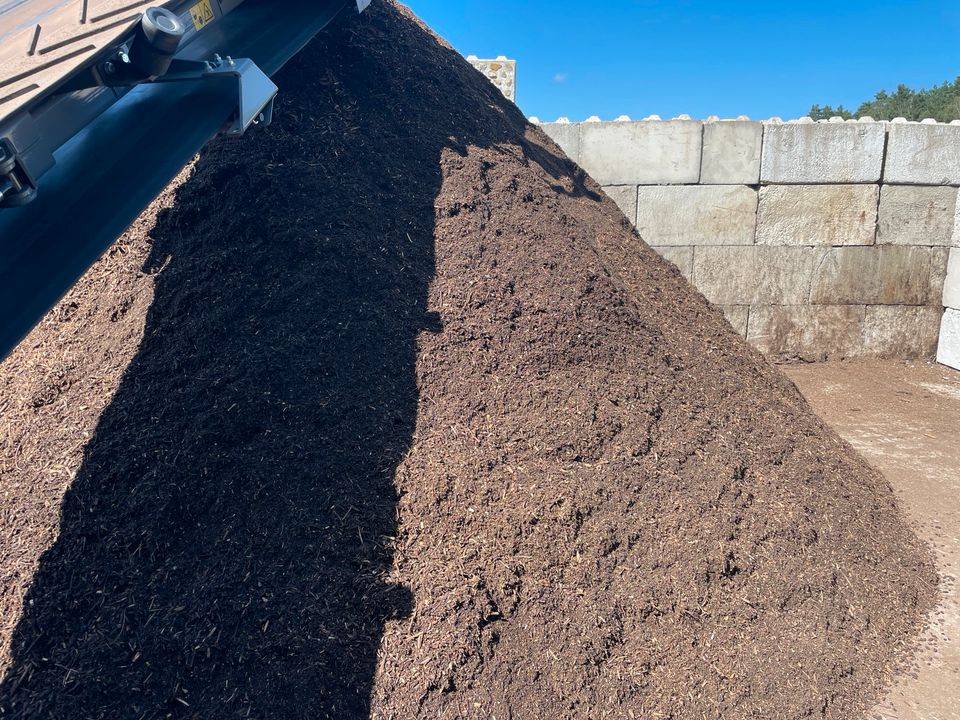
<point>108,173</point>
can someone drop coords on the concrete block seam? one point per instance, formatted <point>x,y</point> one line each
<point>700,164</point>
<point>883,169</point>
<point>813,274</point>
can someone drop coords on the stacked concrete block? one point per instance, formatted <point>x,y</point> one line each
<point>738,316</point>
<point>813,153</point>
<point>731,153</point>
<point>917,215</point>
<point>754,275</point>
<point>816,239</point>
<point>642,153</point>
<point>808,332</point>
<point>892,331</point>
<point>817,215</point>
<point>951,285</point>
<point>625,196</point>
<point>921,154</point>
<point>697,214</point>
<point>887,275</point>
<point>948,351</point>
<point>567,136</point>
<point>682,257</point>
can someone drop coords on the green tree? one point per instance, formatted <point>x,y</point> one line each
<point>827,111</point>
<point>941,102</point>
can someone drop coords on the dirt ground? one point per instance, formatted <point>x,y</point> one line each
<point>905,419</point>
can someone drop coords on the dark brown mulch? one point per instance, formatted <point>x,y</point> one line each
<point>418,427</point>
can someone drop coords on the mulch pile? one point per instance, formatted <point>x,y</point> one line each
<point>386,412</point>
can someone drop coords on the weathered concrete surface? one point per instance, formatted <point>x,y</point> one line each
<point>625,196</point>
<point>501,71</point>
<point>948,351</point>
<point>738,316</point>
<point>682,257</point>
<point>897,331</point>
<point>883,275</point>
<point>904,417</point>
<point>642,153</point>
<point>807,332</point>
<point>754,275</point>
<point>811,153</point>
<point>951,285</point>
<point>567,136</point>
<point>731,153</point>
<point>923,154</point>
<point>697,215</point>
<point>817,215</point>
<point>915,215</point>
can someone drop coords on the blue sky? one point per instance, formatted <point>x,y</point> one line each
<point>703,57</point>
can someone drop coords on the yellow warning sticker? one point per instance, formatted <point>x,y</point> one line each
<point>202,14</point>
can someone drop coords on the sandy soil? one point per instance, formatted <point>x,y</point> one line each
<point>905,419</point>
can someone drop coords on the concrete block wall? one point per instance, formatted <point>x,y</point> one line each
<point>501,71</point>
<point>948,350</point>
<point>816,239</point>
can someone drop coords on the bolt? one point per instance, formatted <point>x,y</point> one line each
<point>217,60</point>
<point>123,57</point>
<point>230,61</point>
<point>109,68</point>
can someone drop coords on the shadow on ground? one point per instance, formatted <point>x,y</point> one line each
<point>224,549</point>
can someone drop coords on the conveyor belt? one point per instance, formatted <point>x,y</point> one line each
<point>117,148</point>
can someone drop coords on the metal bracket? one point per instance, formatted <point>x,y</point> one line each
<point>255,90</point>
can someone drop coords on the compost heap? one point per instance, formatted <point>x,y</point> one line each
<point>386,412</point>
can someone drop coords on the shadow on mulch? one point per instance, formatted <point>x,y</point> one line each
<point>225,548</point>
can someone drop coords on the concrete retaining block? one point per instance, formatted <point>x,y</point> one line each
<point>625,196</point>
<point>891,331</point>
<point>738,317</point>
<point>948,349</point>
<point>567,136</point>
<point>808,332</point>
<point>914,215</point>
<point>939,258</point>
<point>923,154</point>
<point>801,153</point>
<point>951,284</point>
<point>682,257</point>
<point>881,275</point>
<point>754,275</point>
<point>642,153</point>
<point>697,215</point>
<point>817,215</point>
<point>731,153</point>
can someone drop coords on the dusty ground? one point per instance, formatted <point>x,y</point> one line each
<point>905,418</point>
